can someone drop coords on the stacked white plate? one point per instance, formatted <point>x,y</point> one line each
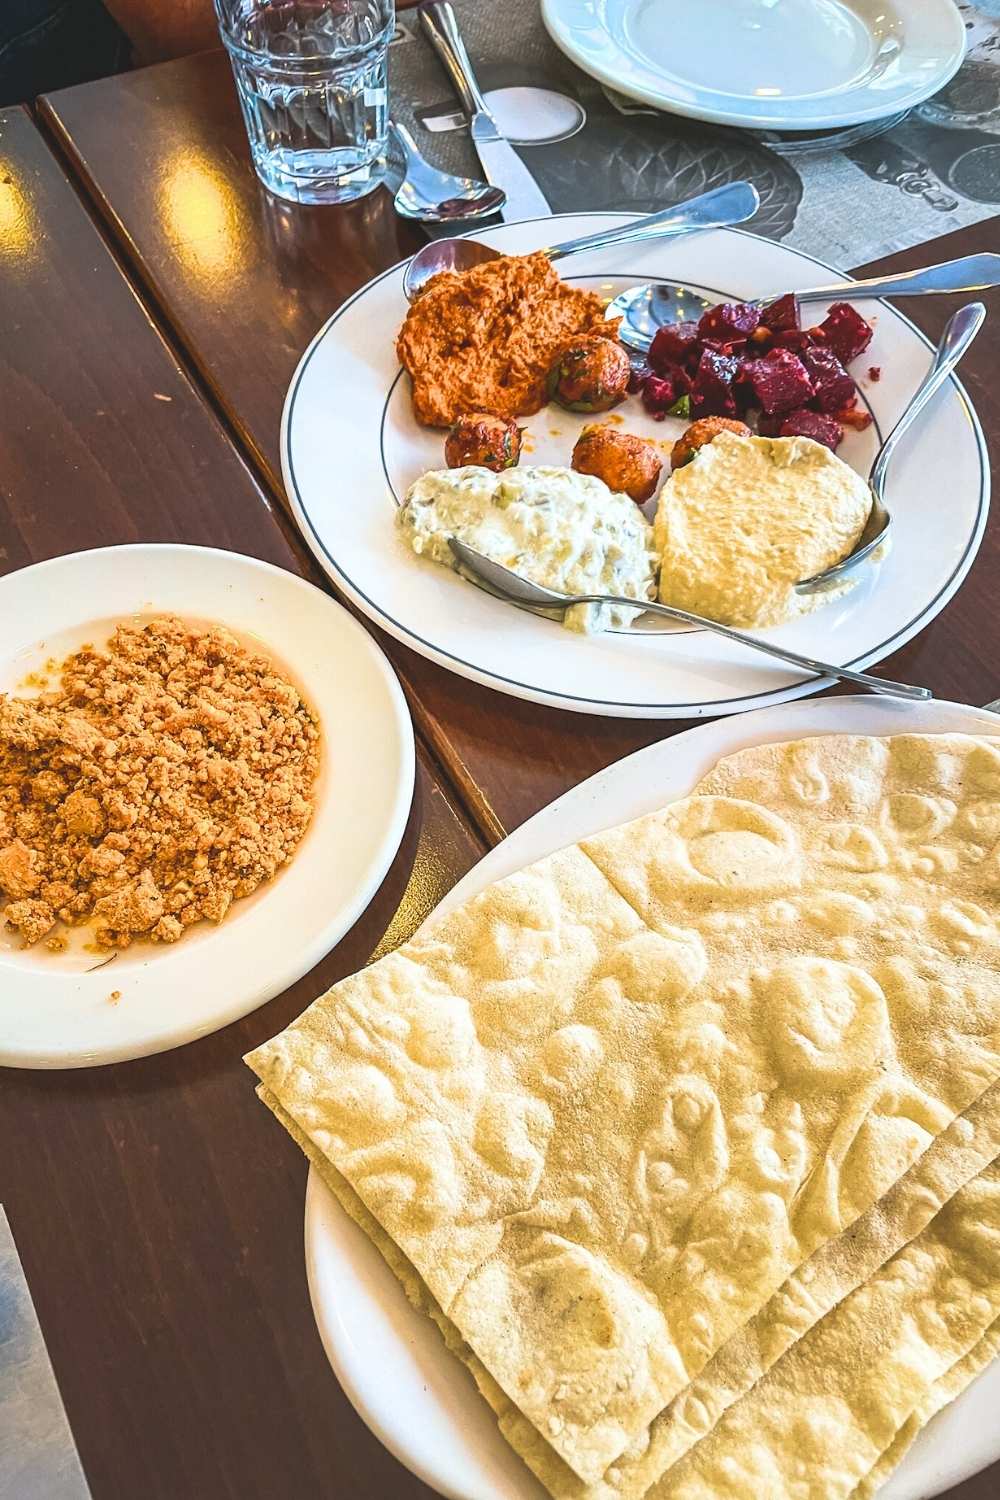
<point>797,65</point>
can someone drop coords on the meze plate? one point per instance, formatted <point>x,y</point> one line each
<point>351,447</point>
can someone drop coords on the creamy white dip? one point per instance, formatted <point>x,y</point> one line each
<point>555,527</point>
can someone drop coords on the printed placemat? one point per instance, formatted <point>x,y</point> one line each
<point>848,197</point>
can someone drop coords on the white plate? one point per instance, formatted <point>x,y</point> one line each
<point>54,1014</point>
<point>415,1396</point>
<point>798,65</point>
<point>350,444</point>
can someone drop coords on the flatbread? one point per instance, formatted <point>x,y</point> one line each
<point>960,1153</point>
<point>821,1420</point>
<point>560,1099</point>
<point>961,1375</point>
<point>956,1156</point>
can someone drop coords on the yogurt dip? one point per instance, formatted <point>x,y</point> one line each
<point>555,527</point>
<point>747,519</point>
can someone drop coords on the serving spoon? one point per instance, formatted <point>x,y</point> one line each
<point>723,206</point>
<point>435,197</point>
<point>520,591</point>
<point>644,309</point>
<point>960,329</point>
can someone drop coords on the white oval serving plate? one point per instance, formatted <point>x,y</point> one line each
<point>391,1361</point>
<point>799,65</point>
<point>351,447</point>
<point>56,1014</point>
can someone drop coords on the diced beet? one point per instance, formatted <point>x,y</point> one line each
<point>874,372</point>
<point>659,392</point>
<point>728,323</point>
<point>672,345</point>
<point>853,416</point>
<point>638,376</point>
<point>780,381</point>
<point>712,391</point>
<point>833,388</point>
<point>795,339</point>
<point>743,392</point>
<point>846,332</point>
<point>812,424</point>
<point>782,316</point>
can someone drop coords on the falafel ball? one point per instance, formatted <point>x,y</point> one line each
<point>590,374</point>
<point>484,440</point>
<point>700,433</point>
<point>627,464</point>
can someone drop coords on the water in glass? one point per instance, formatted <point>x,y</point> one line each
<point>311,79</point>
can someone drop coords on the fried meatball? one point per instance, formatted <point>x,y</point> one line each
<point>482,439</point>
<point>590,374</point>
<point>626,463</point>
<point>700,433</point>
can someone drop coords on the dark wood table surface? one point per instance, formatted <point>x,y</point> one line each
<point>156,1207</point>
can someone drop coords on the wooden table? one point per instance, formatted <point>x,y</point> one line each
<point>156,1207</point>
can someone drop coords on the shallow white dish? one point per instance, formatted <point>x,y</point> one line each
<point>351,447</point>
<point>56,1014</point>
<point>800,65</point>
<point>391,1361</point>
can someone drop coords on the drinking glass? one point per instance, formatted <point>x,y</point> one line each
<point>312,85</point>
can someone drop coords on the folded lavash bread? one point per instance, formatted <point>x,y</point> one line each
<point>956,1156</point>
<point>821,1420</point>
<point>961,1375</point>
<point>610,1104</point>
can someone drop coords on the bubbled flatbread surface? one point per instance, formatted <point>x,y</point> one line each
<point>823,1418</point>
<point>561,1099</point>
<point>960,1153</point>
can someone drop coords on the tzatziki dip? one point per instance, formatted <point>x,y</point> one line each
<point>555,527</point>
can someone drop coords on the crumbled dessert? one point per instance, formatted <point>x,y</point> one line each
<point>165,777</point>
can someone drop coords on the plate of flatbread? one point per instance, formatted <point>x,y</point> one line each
<point>665,1159</point>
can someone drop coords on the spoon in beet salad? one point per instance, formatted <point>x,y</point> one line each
<point>647,308</point>
<point>960,329</point>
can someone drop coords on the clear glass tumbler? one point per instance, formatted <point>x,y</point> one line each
<point>311,79</point>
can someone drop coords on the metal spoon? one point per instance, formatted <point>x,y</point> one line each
<point>644,309</point>
<point>960,329</point>
<point>436,197</point>
<point>518,590</point>
<point>732,204</point>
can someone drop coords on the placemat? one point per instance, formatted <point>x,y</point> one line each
<point>845,199</point>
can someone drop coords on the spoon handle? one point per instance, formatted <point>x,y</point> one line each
<point>732,204</point>
<point>807,663</point>
<point>970,273</point>
<point>960,329</point>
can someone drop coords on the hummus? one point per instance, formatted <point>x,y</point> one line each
<point>565,530</point>
<point>485,339</point>
<point>747,519</point>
